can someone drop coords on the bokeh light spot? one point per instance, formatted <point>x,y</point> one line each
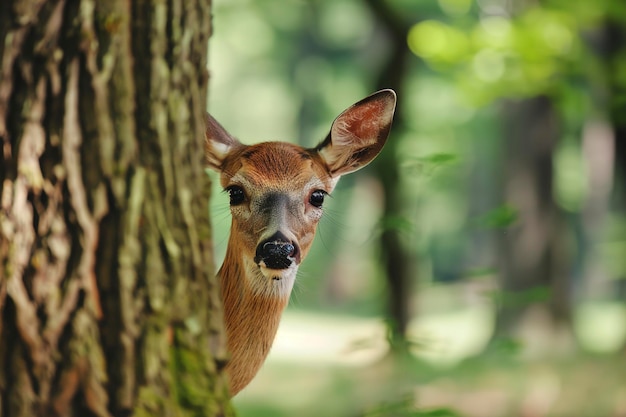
<point>436,41</point>
<point>488,65</point>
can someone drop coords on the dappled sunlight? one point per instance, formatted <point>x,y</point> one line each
<point>442,338</point>
<point>447,338</point>
<point>318,354</point>
<point>314,338</point>
<point>601,326</point>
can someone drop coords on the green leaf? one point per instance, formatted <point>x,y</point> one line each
<point>429,163</point>
<point>522,298</point>
<point>499,218</point>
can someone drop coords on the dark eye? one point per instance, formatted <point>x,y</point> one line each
<point>317,198</point>
<point>236,195</point>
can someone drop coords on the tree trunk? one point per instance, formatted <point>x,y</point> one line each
<point>108,301</point>
<point>400,267</point>
<point>532,251</point>
<point>614,56</point>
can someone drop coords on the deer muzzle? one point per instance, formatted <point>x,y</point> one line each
<point>277,252</point>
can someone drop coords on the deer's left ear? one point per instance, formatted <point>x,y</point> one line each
<point>358,134</point>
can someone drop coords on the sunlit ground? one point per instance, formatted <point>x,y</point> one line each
<point>325,365</point>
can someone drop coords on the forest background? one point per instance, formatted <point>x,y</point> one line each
<point>478,268</point>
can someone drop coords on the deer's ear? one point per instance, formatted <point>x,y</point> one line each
<point>358,134</point>
<point>218,144</point>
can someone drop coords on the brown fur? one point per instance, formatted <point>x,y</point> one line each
<point>251,323</point>
<point>278,180</point>
<point>252,315</point>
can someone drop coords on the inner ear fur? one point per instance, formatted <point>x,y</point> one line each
<point>358,134</point>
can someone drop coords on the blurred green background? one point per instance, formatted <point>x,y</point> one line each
<point>478,266</point>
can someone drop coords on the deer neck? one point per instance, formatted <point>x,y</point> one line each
<point>251,318</point>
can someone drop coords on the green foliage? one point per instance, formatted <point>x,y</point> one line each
<point>498,218</point>
<point>397,223</point>
<point>427,165</point>
<point>506,347</point>
<point>536,52</point>
<point>439,43</point>
<point>407,408</point>
<point>521,298</point>
<point>612,250</point>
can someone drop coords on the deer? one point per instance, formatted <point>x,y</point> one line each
<point>276,192</point>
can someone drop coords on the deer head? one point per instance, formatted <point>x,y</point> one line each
<point>276,192</point>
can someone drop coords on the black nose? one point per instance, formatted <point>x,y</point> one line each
<point>277,252</point>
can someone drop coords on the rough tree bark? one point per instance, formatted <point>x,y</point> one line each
<point>108,302</point>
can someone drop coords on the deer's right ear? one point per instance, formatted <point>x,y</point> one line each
<point>218,144</point>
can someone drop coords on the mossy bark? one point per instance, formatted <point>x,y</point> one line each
<point>108,301</point>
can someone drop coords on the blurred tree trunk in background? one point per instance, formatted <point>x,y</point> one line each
<point>108,303</point>
<point>533,251</point>
<point>616,62</point>
<point>616,38</point>
<point>534,273</point>
<point>398,264</point>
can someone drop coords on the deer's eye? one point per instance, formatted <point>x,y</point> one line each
<point>317,198</point>
<point>236,194</point>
